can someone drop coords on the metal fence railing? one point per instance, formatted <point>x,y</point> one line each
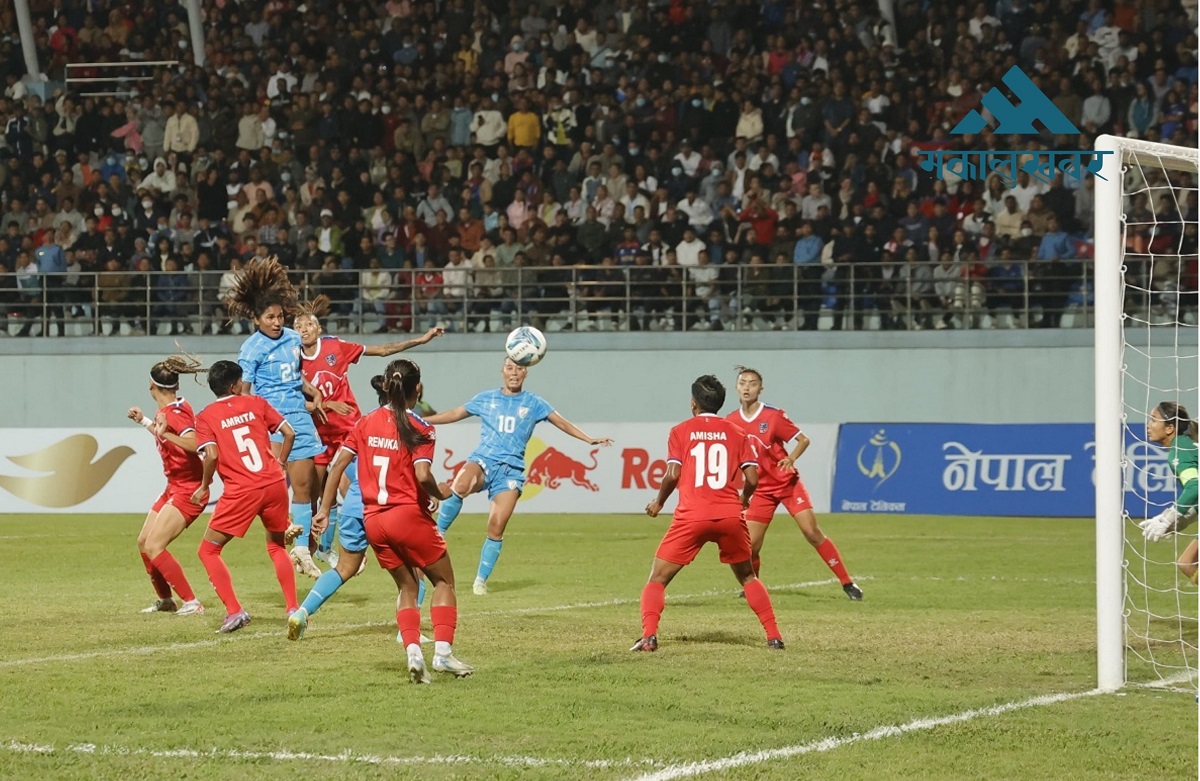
<point>852,296</point>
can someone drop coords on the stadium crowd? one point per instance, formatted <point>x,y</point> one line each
<point>667,165</point>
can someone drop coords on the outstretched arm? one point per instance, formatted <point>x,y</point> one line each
<point>567,427</point>
<point>391,348</point>
<point>450,416</point>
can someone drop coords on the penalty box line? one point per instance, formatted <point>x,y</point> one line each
<point>747,758</point>
<point>241,636</point>
<point>348,757</point>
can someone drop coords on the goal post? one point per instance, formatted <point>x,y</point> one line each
<point>1141,178</point>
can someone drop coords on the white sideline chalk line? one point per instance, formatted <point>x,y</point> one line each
<point>687,770</point>
<point>348,756</point>
<point>153,649</point>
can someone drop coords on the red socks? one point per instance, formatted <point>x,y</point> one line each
<point>169,568</point>
<point>445,619</point>
<point>760,602</point>
<point>161,587</point>
<point>218,575</point>
<point>654,598</point>
<point>285,573</point>
<point>829,552</point>
<point>408,621</point>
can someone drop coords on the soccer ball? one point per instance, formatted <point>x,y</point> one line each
<point>525,346</point>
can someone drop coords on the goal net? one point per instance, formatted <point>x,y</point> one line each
<point>1146,354</point>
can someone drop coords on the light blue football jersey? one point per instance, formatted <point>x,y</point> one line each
<point>272,366</point>
<point>508,423</point>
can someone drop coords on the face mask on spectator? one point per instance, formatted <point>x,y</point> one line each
<point>716,173</point>
<point>676,170</point>
<point>517,47</point>
<point>1026,231</point>
<point>805,101</point>
<point>99,211</point>
<point>664,58</point>
<point>633,150</point>
<point>285,176</point>
<point>386,109</point>
<point>231,205</point>
<point>696,102</point>
<point>640,102</point>
<point>495,97</point>
<point>116,211</point>
<point>143,163</point>
<point>147,204</point>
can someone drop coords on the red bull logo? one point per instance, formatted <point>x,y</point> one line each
<point>453,469</point>
<point>552,467</point>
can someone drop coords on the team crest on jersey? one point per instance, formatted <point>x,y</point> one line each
<point>522,412</point>
<point>762,428</point>
<point>331,359</point>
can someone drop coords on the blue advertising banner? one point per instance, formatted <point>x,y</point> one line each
<point>981,469</point>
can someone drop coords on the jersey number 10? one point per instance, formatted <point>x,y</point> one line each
<point>712,464</point>
<point>507,424</point>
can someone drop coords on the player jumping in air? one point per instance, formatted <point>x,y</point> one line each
<point>324,362</point>
<point>270,361</point>
<point>704,457</point>
<point>778,480</point>
<point>1172,427</point>
<point>394,449</point>
<point>508,415</point>
<point>174,429</point>
<point>234,435</point>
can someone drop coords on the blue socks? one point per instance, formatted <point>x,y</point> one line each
<point>488,558</point>
<point>449,511</point>
<point>302,514</point>
<point>325,587</point>
<point>327,536</point>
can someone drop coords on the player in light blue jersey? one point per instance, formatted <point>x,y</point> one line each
<point>270,361</point>
<point>508,415</point>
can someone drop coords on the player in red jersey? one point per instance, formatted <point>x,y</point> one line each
<point>174,429</point>
<point>325,362</point>
<point>705,456</point>
<point>778,480</point>
<point>395,449</point>
<point>234,434</point>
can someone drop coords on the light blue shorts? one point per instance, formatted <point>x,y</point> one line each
<point>352,534</point>
<point>307,444</point>
<point>499,477</point>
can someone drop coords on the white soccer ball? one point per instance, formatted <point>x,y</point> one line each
<point>525,346</point>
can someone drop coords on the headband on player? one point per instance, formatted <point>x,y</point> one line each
<point>160,385</point>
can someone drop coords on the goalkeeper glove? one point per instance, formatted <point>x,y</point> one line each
<point>1154,529</point>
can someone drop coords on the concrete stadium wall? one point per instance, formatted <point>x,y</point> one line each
<point>992,377</point>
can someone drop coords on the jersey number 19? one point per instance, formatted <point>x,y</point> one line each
<point>712,467</point>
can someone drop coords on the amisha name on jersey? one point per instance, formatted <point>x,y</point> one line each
<point>708,436</point>
<point>238,420</point>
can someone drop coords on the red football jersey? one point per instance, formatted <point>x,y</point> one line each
<point>327,370</point>
<point>181,467</point>
<point>241,428</point>
<point>711,452</point>
<point>386,475</point>
<point>773,429</point>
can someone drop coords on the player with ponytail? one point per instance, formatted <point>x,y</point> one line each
<point>1171,426</point>
<point>174,430</point>
<point>394,449</point>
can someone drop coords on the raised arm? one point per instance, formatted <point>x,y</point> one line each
<point>391,348</point>
<point>450,416</point>
<point>186,441</point>
<point>567,427</point>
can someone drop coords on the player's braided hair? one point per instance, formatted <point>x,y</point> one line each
<point>402,377</point>
<point>739,370</point>
<point>1176,415</point>
<point>260,285</point>
<point>165,373</point>
<point>708,393</point>
<point>316,308</point>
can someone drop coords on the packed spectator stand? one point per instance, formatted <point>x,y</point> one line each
<point>606,165</point>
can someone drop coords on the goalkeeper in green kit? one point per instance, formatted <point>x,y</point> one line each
<point>1171,427</point>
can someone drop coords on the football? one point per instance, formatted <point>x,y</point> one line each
<point>525,346</point>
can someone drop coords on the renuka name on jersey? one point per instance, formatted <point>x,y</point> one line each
<point>238,420</point>
<point>383,443</point>
<point>707,436</point>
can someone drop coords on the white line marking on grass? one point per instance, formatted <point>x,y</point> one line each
<point>167,648</point>
<point>689,769</point>
<point>347,756</point>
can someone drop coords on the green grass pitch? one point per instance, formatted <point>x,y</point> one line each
<point>960,614</point>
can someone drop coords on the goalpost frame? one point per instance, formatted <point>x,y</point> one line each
<point>1109,406</point>
<point>1109,477</point>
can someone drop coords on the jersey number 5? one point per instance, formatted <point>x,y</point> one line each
<point>712,464</point>
<point>250,455</point>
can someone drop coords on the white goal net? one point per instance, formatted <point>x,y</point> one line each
<point>1146,354</point>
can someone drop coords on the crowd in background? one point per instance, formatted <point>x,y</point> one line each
<point>744,163</point>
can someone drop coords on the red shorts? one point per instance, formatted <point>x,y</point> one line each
<point>180,497</point>
<point>405,535</point>
<point>794,499</point>
<point>332,439</point>
<point>234,514</point>
<point>684,540</point>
